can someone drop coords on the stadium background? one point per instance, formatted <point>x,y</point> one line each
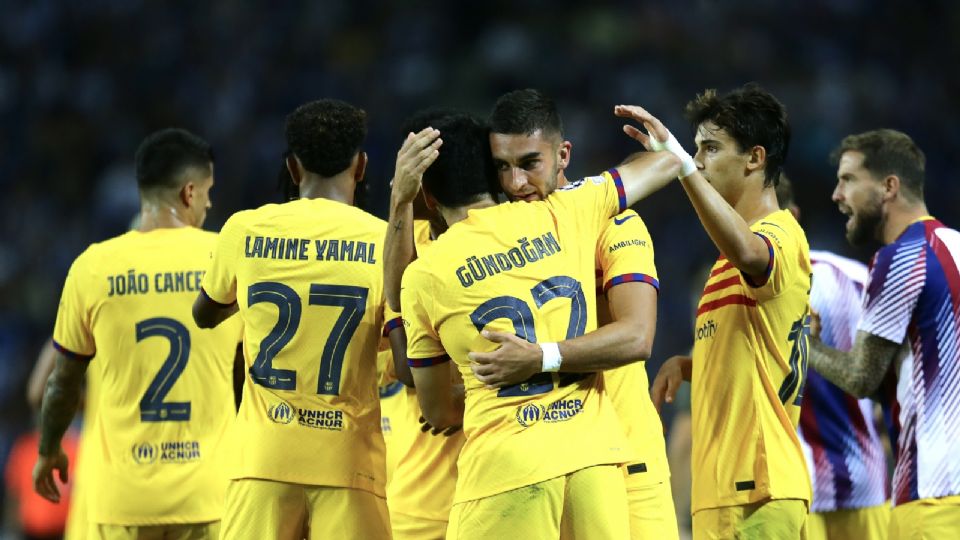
<point>81,83</point>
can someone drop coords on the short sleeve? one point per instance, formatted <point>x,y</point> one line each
<point>73,331</point>
<point>625,252</point>
<point>784,248</point>
<point>591,201</point>
<point>893,290</point>
<point>220,280</point>
<point>423,342</point>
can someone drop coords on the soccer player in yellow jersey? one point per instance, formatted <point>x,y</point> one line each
<point>532,465</point>
<point>307,279</point>
<point>752,325</point>
<point>531,155</point>
<point>164,398</point>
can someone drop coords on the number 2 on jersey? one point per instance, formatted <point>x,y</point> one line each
<point>520,315</point>
<point>353,302</point>
<point>152,406</point>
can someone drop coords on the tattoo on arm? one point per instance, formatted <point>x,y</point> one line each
<point>60,402</point>
<point>860,371</point>
<point>398,225</point>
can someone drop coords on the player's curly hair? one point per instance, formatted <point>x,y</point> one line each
<point>752,117</point>
<point>463,172</point>
<point>165,155</point>
<point>326,134</point>
<point>523,112</point>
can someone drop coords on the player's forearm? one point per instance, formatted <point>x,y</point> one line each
<point>614,345</point>
<point>645,173</point>
<point>843,369</point>
<point>398,347</point>
<point>209,314</point>
<point>60,402</point>
<point>398,249</point>
<point>726,228</point>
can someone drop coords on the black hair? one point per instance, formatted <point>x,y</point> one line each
<point>165,155</point>
<point>888,152</point>
<point>752,117</point>
<point>523,112</point>
<point>326,134</point>
<point>463,172</point>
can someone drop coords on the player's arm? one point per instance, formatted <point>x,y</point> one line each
<point>60,401</point>
<point>46,361</point>
<point>418,152</point>
<point>628,338</point>
<point>748,252</point>
<point>672,374</point>
<point>860,371</point>
<point>438,398</point>
<point>398,346</point>
<point>209,313</point>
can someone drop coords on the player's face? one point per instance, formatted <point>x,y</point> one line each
<point>200,202</point>
<point>527,165</point>
<point>720,160</point>
<point>860,197</point>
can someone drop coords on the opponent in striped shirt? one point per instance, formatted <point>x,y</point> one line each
<point>911,304</point>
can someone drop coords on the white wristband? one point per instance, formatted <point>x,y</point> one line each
<point>551,357</point>
<point>672,145</point>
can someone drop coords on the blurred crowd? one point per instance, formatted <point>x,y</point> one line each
<point>81,83</point>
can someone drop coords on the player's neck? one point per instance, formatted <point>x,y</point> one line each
<point>754,205</point>
<point>899,217</point>
<point>162,216</point>
<point>338,188</point>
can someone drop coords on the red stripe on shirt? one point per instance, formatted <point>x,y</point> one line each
<point>722,284</point>
<point>722,269</point>
<point>726,301</point>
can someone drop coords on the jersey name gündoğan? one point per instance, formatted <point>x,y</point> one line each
<point>154,441</point>
<point>749,365</point>
<point>625,255</point>
<point>525,268</point>
<point>308,278</point>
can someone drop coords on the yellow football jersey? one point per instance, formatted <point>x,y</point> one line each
<point>308,278</point>
<point>522,268</point>
<point>161,396</point>
<point>749,365</point>
<point>625,255</point>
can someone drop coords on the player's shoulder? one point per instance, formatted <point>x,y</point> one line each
<point>823,261</point>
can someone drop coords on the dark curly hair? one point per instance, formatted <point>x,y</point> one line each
<point>522,112</point>
<point>326,134</point>
<point>463,172</point>
<point>752,117</point>
<point>164,155</point>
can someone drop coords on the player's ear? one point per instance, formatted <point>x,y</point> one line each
<point>186,194</point>
<point>429,200</point>
<point>295,168</point>
<point>891,187</point>
<point>360,162</point>
<point>563,154</point>
<point>757,158</point>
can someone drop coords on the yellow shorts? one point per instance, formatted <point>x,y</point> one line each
<point>185,531</point>
<point>407,527</point>
<point>776,519</point>
<point>263,509</point>
<point>652,514</point>
<point>926,518</point>
<point>870,523</point>
<point>590,503</point>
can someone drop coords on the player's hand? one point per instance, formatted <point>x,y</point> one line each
<point>668,381</point>
<point>815,325</point>
<point>43,482</point>
<point>515,361</point>
<point>654,127</point>
<point>418,152</point>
